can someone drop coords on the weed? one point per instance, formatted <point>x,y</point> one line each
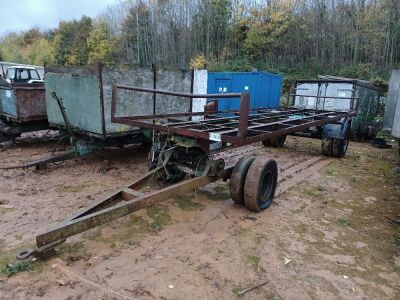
<point>73,252</point>
<point>12,269</point>
<point>186,203</point>
<point>4,210</point>
<point>273,297</point>
<point>343,222</point>
<point>253,260</point>
<point>236,290</point>
<point>397,240</point>
<point>217,196</point>
<point>160,217</point>
<point>75,189</point>
<point>332,172</point>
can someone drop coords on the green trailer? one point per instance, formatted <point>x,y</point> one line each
<point>321,93</point>
<point>78,103</point>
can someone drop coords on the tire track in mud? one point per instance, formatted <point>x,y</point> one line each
<point>293,168</point>
<point>299,172</point>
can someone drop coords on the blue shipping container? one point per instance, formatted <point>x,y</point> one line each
<point>264,88</point>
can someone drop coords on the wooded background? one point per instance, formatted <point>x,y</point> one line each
<point>303,38</point>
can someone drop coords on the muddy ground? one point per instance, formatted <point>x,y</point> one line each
<point>330,234</point>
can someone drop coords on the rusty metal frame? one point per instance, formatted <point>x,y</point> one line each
<point>114,206</point>
<point>244,127</point>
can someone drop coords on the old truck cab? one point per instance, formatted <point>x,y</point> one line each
<point>22,74</point>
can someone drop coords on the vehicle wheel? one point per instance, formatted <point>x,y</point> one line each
<point>236,184</point>
<point>326,146</point>
<point>277,142</point>
<point>260,184</point>
<point>339,146</point>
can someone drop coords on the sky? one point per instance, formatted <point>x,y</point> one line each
<point>18,15</point>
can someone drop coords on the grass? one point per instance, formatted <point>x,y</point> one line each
<point>343,222</point>
<point>273,297</point>
<point>237,290</point>
<point>313,191</point>
<point>253,260</point>
<point>396,240</point>
<point>185,203</point>
<point>160,217</point>
<point>133,228</point>
<point>72,252</point>
<point>75,188</point>
<point>221,193</point>
<point>12,269</point>
<point>4,210</point>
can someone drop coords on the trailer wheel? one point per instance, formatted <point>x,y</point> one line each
<point>339,147</point>
<point>260,184</point>
<point>277,142</point>
<point>326,146</point>
<point>236,184</point>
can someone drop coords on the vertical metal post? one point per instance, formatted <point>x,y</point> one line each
<point>244,115</point>
<point>191,91</point>
<point>113,101</point>
<point>318,100</point>
<point>103,121</point>
<point>154,67</point>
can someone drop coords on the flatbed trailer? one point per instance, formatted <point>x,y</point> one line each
<point>241,127</point>
<point>188,153</point>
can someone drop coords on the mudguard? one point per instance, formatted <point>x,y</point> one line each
<point>337,130</point>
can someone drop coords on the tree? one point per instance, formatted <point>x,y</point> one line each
<point>99,44</point>
<point>136,45</point>
<point>70,42</point>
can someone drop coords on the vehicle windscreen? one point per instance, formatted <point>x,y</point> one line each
<point>35,75</point>
<point>10,73</point>
<point>22,75</point>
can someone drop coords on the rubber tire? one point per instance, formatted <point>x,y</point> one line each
<point>237,180</point>
<point>326,146</point>
<point>339,146</point>
<point>256,184</point>
<point>277,142</point>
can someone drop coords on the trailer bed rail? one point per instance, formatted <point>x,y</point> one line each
<point>237,127</point>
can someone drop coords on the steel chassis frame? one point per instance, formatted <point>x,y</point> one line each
<point>244,127</point>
